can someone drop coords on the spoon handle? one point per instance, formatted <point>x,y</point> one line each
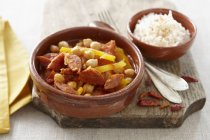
<point>164,90</point>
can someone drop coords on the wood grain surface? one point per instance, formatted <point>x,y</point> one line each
<point>63,14</point>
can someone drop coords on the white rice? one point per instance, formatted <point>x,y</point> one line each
<point>161,30</point>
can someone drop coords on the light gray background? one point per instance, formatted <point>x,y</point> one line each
<point>26,18</point>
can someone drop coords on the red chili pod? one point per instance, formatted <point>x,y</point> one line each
<point>189,79</point>
<point>148,82</point>
<point>176,107</point>
<point>143,95</point>
<point>155,95</point>
<point>164,104</point>
<point>148,102</point>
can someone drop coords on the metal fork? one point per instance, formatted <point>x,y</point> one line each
<point>106,17</point>
<point>164,81</point>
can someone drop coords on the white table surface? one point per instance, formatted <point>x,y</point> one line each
<point>25,17</point>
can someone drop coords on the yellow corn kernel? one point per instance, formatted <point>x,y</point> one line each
<point>80,90</point>
<point>72,84</point>
<point>66,50</point>
<point>108,67</point>
<point>88,88</point>
<point>59,78</point>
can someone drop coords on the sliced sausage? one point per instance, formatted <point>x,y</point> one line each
<point>73,61</point>
<point>91,76</point>
<point>113,81</point>
<point>57,62</point>
<point>44,61</point>
<point>50,78</point>
<point>65,88</point>
<point>66,71</point>
<point>98,91</point>
<point>71,77</point>
<point>50,55</point>
<point>109,47</point>
<point>107,74</point>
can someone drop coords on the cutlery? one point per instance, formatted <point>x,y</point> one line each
<point>165,91</point>
<point>164,81</point>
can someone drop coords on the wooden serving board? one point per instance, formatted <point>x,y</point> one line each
<point>68,13</point>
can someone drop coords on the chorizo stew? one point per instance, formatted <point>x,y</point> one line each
<point>87,68</point>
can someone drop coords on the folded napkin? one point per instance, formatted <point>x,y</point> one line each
<point>14,75</point>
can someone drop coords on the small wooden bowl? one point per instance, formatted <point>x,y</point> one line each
<point>158,53</point>
<point>84,106</point>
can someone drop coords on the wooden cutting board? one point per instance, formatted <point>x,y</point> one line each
<point>69,13</point>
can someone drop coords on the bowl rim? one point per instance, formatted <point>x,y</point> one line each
<point>154,10</point>
<point>112,95</point>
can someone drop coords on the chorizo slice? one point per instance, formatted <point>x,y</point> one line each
<point>50,55</point>
<point>98,91</point>
<point>73,61</point>
<point>91,76</point>
<point>65,88</point>
<point>57,62</point>
<point>44,61</point>
<point>50,78</point>
<point>66,71</point>
<point>109,47</point>
<point>113,81</point>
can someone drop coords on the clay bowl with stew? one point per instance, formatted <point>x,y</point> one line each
<point>86,106</point>
<point>158,53</point>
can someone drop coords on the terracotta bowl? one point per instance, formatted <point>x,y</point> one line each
<point>158,53</point>
<point>84,106</point>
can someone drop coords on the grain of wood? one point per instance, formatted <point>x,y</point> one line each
<point>81,12</point>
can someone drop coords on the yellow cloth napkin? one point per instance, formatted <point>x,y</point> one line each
<point>14,75</point>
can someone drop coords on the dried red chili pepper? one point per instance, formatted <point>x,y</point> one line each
<point>148,82</point>
<point>155,95</point>
<point>189,79</point>
<point>148,102</point>
<point>176,107</point>
<point>164,104</point>
<point>143,95</point>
